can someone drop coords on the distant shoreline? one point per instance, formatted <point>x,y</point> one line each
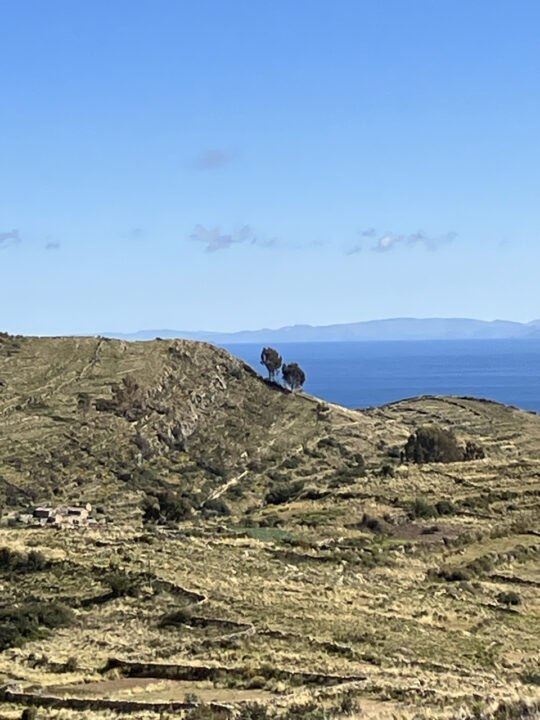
<point>392,329</point>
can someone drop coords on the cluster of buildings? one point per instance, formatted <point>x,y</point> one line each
<point>61,516</point>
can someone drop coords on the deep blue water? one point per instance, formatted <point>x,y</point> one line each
<point>364,374</point>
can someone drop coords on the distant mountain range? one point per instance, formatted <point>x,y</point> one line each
<point>371,330</point>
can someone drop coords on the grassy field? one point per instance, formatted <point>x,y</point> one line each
<point>256,549</point>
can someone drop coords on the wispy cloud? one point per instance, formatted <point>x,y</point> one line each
<point>389,241</point>
<point>213,159</point>
<point>52,246</point>
<point>370,232</point>
<point>215,240</point>
<point>430,242</point>
<point>12,237</point>
<point>363,234</point>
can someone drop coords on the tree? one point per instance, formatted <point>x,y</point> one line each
<point>433,444</point>
<point>272,361</point>
<point>293,375</point>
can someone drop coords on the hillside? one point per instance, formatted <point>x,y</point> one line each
<point>250,544</point>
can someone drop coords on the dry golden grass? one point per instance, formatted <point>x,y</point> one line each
<point>311,588</point>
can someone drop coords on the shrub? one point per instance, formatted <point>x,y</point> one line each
<point>422,509</point>
<point>372,523</point>
<point>253,711</point>
<point>282,493</point>
<point>348,705</point>
<point>445,507</point>
<point>310,710</point>
<point>176,618</point>
<point>122,585</point>
<point>480,565</point>
<point>71,665</point>
<point>218,506</point>
<point>18,624</point>
<point>454,574</point>
<point>530,676</point>
<point>432,444</point>
<point>473,451</point>
<point>12,561</point>
<point>166,505</point>
<point>52,615</point>
<point>509,598</point>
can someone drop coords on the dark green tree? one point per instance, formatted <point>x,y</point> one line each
<point>272,361</point>
<point>293,375</point>
<point>433,444</point>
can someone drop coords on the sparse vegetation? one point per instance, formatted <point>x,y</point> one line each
<point>26,621</point>
<point>284,492</point>
<point>262,533</point>
<point>122,585</point>
<point>12,561</point>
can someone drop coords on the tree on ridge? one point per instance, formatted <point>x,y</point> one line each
<point>293,375</point>
<point>272,361</point>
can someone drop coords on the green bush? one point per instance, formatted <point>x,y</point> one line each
<point>18,624</point>
<point>218,506</point>
<point>122,585</point>
<point>166,505</point>
<point>71,664</point>
<point>433,444</point>
<point>509,598</point>
<point>445,507</point>
<point>282,493</point>
<point>372,523</point>
<point>176,618</point>
<point>422,509</point>
<point>473,451</point>
<point>13,561</point>
<point>253,711</point>
<point>454,574</point>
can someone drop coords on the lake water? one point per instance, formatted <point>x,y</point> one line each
<point>364,374</point>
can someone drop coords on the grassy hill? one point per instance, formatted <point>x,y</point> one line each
<point>254,545</point>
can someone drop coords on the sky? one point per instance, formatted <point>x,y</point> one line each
<point>238,164</point>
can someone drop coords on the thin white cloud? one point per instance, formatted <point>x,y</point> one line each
<point>389,241</point>
<point>214,239</point>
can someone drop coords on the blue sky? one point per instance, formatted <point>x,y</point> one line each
<point>233,164</point>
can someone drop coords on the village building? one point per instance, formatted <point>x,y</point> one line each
<point>64,515</point>
<point>42,512</point>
